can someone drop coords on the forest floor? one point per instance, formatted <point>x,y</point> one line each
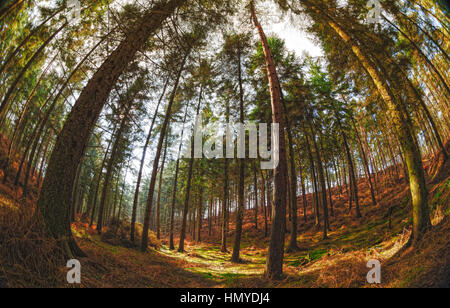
<point>339,261</point>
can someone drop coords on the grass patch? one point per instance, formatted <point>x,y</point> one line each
<point>230,278</point>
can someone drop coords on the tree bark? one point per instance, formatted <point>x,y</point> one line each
<point>255,183</point>
<point>276,248</point>
<point>402,123</point>
<point>242,162</point>
<point>175,185</point>
<point>366,165</point>
<point>158,202</point>
<point>162,136</point>
<point>263,202</point>
<point>353,182</point>
<point>293,189</point>
<point>141,168</point>
<point>225,214</point>
<point>419,192</point>
<point>109,168</point>
<point>302,182</point>
<point>55,198</point>
<point>323,188</point>
<point>188,186</point>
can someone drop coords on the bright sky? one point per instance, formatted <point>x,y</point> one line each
<point>288,27</point>
<point>296,39</point>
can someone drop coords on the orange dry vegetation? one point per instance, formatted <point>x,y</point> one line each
<point>30,259</point>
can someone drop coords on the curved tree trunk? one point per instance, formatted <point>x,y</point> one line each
<point>52,106</point>
<point>276,248</point>
<point>402,122</point>
<point>55,198</point>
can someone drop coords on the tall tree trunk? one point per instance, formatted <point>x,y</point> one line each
<point>293,195</point>
<point>263,202</point>
<point>162,136</point>
<point>402,122</point>
<point>116,193</point>
<point>330,191</point>
<point>55,198</point>
<point>109,168</point>
<point>175,185</point>
<point>225,213</point>
<point>366,165</point>
<point>210,214</point>
<point>122,194</point>
<point>323,188</point>
<point>276,248</point>
<point>292,184</point>
<point>315,189</point>
<point>97,187</point>
<point>188,185</point>
<point>353,181</point>
<point>141,168</point>
<point>255,183</point>
<point>241,199</point>
<point>51,108</point>
<point>199,216</point>
<point>158,202</point>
